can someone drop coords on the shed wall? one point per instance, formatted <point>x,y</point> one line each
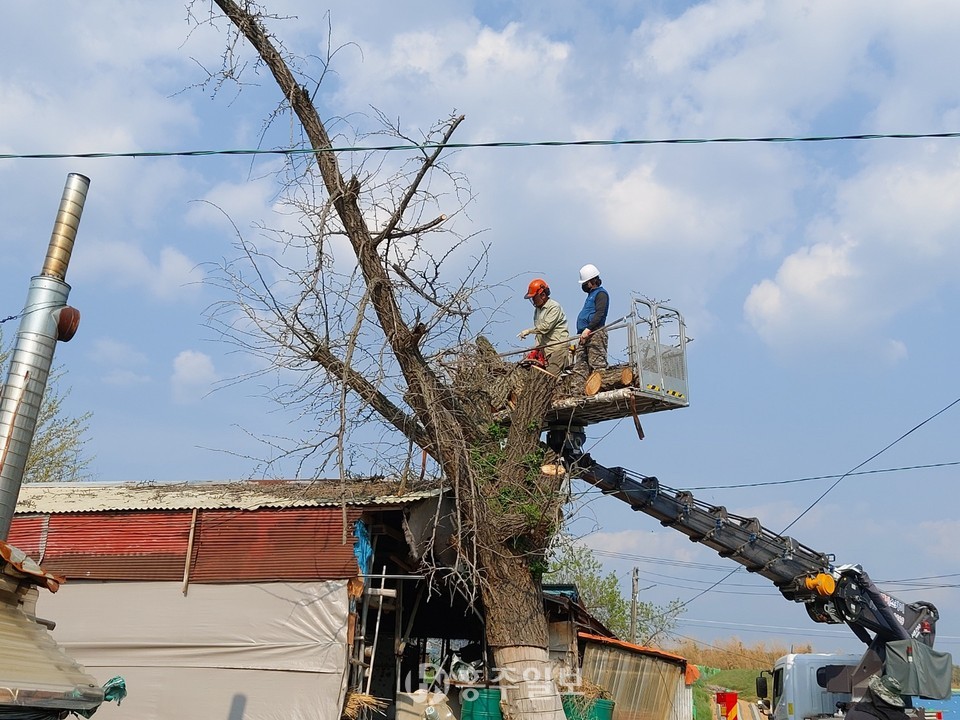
<point>641,686</point>
<point>251,651</point>
<point>267,544</point>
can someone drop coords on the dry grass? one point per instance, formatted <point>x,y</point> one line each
<point>732,653</point>
<point>359,705</point>
<point>588,691</point>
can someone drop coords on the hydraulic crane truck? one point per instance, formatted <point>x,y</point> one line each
<point>899,636</point>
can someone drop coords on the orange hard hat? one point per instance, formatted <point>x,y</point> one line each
<point>536,286</point>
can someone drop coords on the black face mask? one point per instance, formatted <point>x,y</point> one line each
<point>586,287</point>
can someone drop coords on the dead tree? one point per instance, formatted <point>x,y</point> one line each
<point>347,326</point>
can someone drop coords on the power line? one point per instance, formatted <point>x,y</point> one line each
<point>659,560</point>
<point>754,627</point>
<point>916,583</point>
<point>288,152</point>
<point>713,586</point>
<point>869,459</point>
<point>825,477</point>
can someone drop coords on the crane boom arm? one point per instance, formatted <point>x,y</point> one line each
<point>831,594</point>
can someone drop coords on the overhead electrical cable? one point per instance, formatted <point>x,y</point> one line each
<point>869,459</point>
<point>825,477</point>
<point>474,145</point>
<point>714,585</point>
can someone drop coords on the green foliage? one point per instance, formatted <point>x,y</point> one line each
<point>57,452</point>
<point>701,701</point>
<point>516,501</point>
<point>538,567</point>
<point>532,462</point>
<point>521,502</point>
<point>601,595</point>
<point>486,462</point>
<point>742,681</point>
<point>497,431</point>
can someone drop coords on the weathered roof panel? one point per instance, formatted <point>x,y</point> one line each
<point>49,498</point>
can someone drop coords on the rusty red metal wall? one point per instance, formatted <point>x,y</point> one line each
<point>229,545</point>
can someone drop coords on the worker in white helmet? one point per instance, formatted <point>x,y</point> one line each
<point>592,348</point>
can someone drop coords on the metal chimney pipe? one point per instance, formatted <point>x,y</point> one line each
<point>45,319</point>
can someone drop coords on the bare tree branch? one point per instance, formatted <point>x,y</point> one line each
<point>429,161</point>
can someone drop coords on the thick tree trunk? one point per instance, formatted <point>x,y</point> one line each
<point>528,688</point>
<point>516,625</point>
<point>516,630</point>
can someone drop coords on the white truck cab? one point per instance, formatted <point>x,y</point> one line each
<point>815,685</point>
<point>800,685</point>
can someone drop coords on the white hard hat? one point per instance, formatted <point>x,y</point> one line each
<point>588,272</point>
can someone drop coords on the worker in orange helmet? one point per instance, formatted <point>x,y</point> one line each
<point>549,325</point>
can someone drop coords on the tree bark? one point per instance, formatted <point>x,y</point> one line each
<point>516,627</point>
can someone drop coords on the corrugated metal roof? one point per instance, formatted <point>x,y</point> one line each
<point>641,649</point>
<point>266,544</point>
<point>241,495</point>
<point>35,672</point>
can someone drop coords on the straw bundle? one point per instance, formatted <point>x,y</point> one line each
<point>360,705</point>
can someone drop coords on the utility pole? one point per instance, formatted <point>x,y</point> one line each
<point>633,605</point>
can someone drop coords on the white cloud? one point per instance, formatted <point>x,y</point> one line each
<point>170,276</point>
<point>502,79</point>
<point>893,351</point>
<point>193,376</point>
<point>807,296</point>
<point>120,362</point>
<point>108,351</point>
<point>887,243</point>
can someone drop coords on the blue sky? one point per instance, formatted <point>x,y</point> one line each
<point>818,280</point>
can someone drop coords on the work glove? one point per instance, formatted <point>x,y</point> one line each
<point>584,335</point>
<point>523,333</point>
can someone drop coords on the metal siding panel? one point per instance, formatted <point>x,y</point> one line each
<point>273,544</point>
<point>118,546</point>
<point>26,533</point>
<point>682,703</point>
<point>641,685</point>
<point>229,545</point>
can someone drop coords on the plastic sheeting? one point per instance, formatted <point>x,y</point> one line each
<point>362,548</point>
<point>640,685</point>
<point>232,651</point>
<point>920,669</point>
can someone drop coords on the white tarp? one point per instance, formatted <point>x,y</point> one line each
<point>232,652</point>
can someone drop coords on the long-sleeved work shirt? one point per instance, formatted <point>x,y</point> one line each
<point>550,324</point>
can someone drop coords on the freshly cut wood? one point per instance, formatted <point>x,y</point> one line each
<point>611,378</point>
<point>592,386</point>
